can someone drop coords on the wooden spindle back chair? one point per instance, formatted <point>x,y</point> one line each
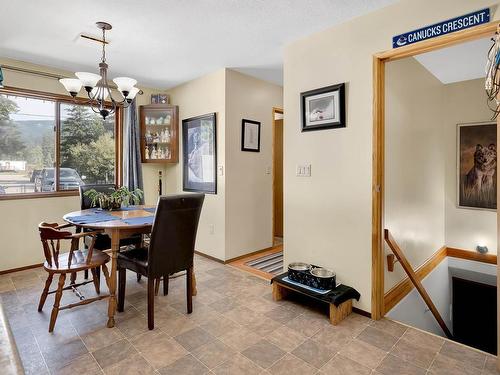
<point>52,236</point>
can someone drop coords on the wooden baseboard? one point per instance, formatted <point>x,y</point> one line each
<point>209,257</point>
<point>21,268</point>
<point>405,286</point>
<point>362,312</point>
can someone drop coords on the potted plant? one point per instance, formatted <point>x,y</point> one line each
<point>115,198</point>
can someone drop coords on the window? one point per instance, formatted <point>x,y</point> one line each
<point>51,144</point>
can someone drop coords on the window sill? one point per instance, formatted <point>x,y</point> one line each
<point>55,194</point>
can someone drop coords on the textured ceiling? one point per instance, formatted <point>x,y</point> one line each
<point>163,43</point>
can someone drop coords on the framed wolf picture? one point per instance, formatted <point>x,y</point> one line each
<point>477,165</point>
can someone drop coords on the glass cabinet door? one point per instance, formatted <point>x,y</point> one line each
<point>159,124</point>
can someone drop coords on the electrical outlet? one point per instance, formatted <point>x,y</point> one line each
<point>220,170</point>
<point>211,228</point>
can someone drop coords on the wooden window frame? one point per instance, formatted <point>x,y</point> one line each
<point>378,166</point>
<point>58,100</point>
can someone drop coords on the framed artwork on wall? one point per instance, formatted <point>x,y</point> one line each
<point>160,99</point>
<point>199,154</point>
<point>477,165</point>
<point>250,135</point>
<point>323,108</point>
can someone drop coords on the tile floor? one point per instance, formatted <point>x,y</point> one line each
<point>235,329</point>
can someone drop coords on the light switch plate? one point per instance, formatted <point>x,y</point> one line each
<point>220,170</point>
<point>303,170</point>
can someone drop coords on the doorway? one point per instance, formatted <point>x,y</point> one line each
<point>277,176</point>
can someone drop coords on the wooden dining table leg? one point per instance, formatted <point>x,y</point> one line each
<point>115,247</point>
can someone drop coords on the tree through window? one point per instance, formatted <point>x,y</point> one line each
<point>28,143</point>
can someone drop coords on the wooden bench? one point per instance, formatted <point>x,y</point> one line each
<point>336,313</point>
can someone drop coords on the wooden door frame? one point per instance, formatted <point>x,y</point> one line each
<point>379,61</point>
<point>274,111</point>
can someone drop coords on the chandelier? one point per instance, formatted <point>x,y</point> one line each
<point>97,86</point>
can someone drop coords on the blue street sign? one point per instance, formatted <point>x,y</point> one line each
<point>442,28</point>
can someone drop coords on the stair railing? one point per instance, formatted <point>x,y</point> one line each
<point>415,280</point>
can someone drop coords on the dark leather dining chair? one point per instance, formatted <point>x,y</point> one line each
<point>103,242</point>
<point>171,248</point>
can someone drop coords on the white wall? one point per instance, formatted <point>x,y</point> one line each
<point>241,212</point>
<point>465,228</point>
<point>328,216</point>
<point>414,163</point>
<point>249,193</point>
<point>198,97</point>
<point>19,218</point>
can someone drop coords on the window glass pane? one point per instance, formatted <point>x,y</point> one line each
<point>87,147</point>
<point>27,148</point>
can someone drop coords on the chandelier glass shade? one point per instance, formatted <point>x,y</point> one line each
<point>97,85</point>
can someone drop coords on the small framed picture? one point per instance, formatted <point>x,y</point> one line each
<point>250,135</point>
<point>323,108</point>
<point>163,99</point>
<point>155,98</point>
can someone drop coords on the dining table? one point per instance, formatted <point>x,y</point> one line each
<point>117,224</point>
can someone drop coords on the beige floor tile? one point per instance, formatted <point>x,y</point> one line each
<point>101,337</point>
<point>361,352</point>
<point>308,325</point>
<point>133,365</point>
<point>241,339</point>
<point>113,354</point>
<point>444,365</point>
<point>213,354</point>
<point>237,365</point>
<point>291,365</point>
<point>393,365</point>
<point>242,315</point>
<point>313,353</point>
<point>59,356</point>
<point>224,305</point>
<point>490,367</point>
<point>187,365</point>
<point>423,339</point>
<point>286,338</point>
<point>194,338</point>
<point>333,338</point>
<point>389,326</point>
<point>341,365</point>
<point>418,355</point>
<point>281,314</point>
<point>160,350</point>
<point>133,327</point>
<point>85,364</point>
<point>219,326</point>
<point>264,354</point>
<point>174,324</point>
<point>378,338</point>
<point>463,354</point>
<point>263,326</point>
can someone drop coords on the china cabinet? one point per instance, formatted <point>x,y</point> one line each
<point>159,133</point>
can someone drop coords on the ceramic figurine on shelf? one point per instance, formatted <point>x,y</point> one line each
<point>167,120</point>
<point>152,122</point>
<point>159,120</point>
<point>147,120</point>
<point>146,153</point>
<point>154,154</point>
<point>167,135</point>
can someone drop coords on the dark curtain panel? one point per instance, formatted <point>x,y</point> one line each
<point>132,170</point>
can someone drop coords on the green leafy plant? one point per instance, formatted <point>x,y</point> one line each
<point>115,198</point>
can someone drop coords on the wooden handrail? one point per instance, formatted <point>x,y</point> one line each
<point>415,280</point>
